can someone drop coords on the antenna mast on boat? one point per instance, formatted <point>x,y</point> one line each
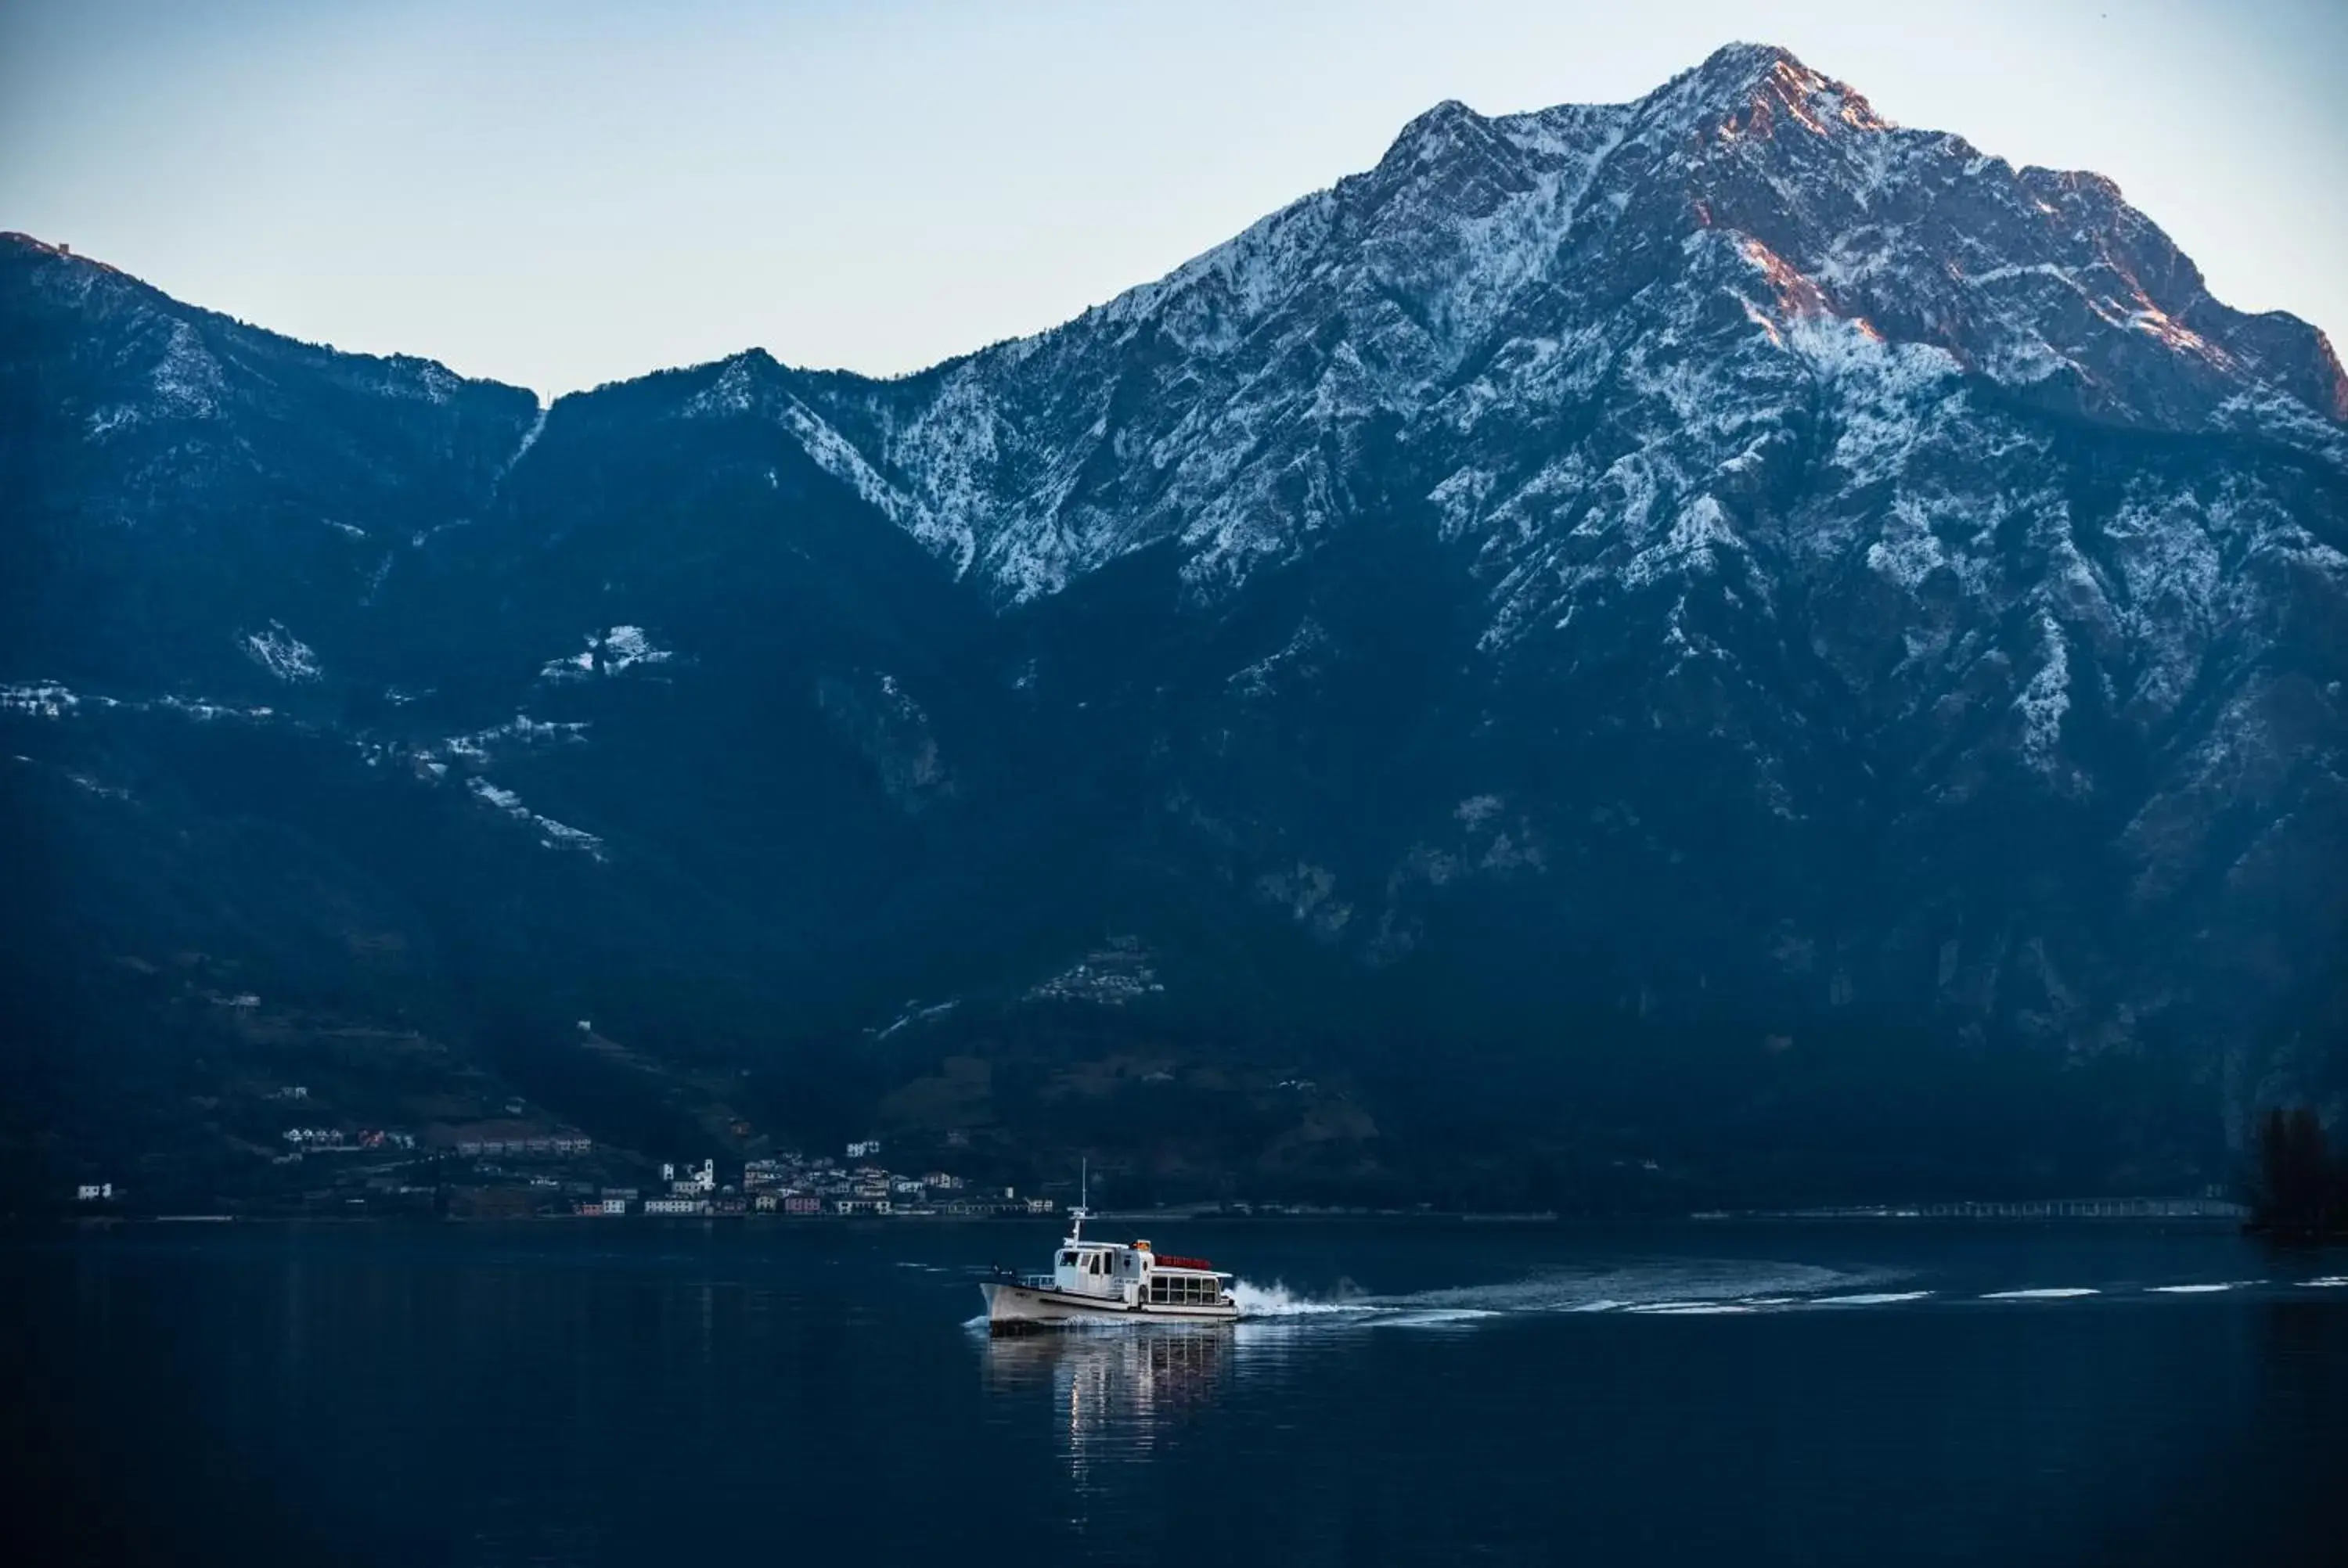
<point>1082,1211</point>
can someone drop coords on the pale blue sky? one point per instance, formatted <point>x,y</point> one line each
<point>559,194</point>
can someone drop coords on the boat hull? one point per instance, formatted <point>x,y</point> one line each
<point>1014,1309</point>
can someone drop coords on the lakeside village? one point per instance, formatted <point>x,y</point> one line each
<point>516,1172</point>
<point>516,1166</point>
<point>792,1184</point>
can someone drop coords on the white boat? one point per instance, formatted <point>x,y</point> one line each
<point>1104,1282</point>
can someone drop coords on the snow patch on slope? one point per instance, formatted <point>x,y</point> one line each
<point>607,652</point>
<point>552,834</point>
<point>2046,699</point>
<point>282,653</point>
<point>187,380</point>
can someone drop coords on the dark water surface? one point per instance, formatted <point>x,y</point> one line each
<point>628,1392</point>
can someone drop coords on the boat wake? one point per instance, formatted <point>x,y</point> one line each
<point>1681,1287</point>
<point>2210,1289</point>
<point>1276,1300</point>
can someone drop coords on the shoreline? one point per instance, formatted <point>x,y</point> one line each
<point>2179,1216</point>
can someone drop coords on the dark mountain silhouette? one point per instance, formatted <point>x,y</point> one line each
<point>1636,652</point>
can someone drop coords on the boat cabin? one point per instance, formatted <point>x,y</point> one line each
<point>1122,1276</point>
<point>1134,1274</point>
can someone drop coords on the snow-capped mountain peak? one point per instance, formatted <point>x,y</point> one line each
<point>1570,256</point>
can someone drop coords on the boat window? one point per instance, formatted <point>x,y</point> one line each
<point>1068,1260</point>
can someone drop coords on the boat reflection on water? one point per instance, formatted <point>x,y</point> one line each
<point>1115,1393</point>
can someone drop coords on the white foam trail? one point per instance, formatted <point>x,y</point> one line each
<point>1869,1299</point>
<point>2057,1293</point>
<point>1687,1284</point>
<point>1446,1319</point>
<point>1687,1281</point>
<point>1695,1309</point>
<point>2200,1289</point>
<point>1276,1300</point>
<point>2329,1281</point>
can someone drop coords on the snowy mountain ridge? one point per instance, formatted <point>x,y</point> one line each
<point>1529,261</point>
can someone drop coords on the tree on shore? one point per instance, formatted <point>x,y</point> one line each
<point>2301,1192</point>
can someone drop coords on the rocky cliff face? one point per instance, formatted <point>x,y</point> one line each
<point>1713,625</point>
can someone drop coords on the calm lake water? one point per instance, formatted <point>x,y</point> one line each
<point>714,1394</point>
